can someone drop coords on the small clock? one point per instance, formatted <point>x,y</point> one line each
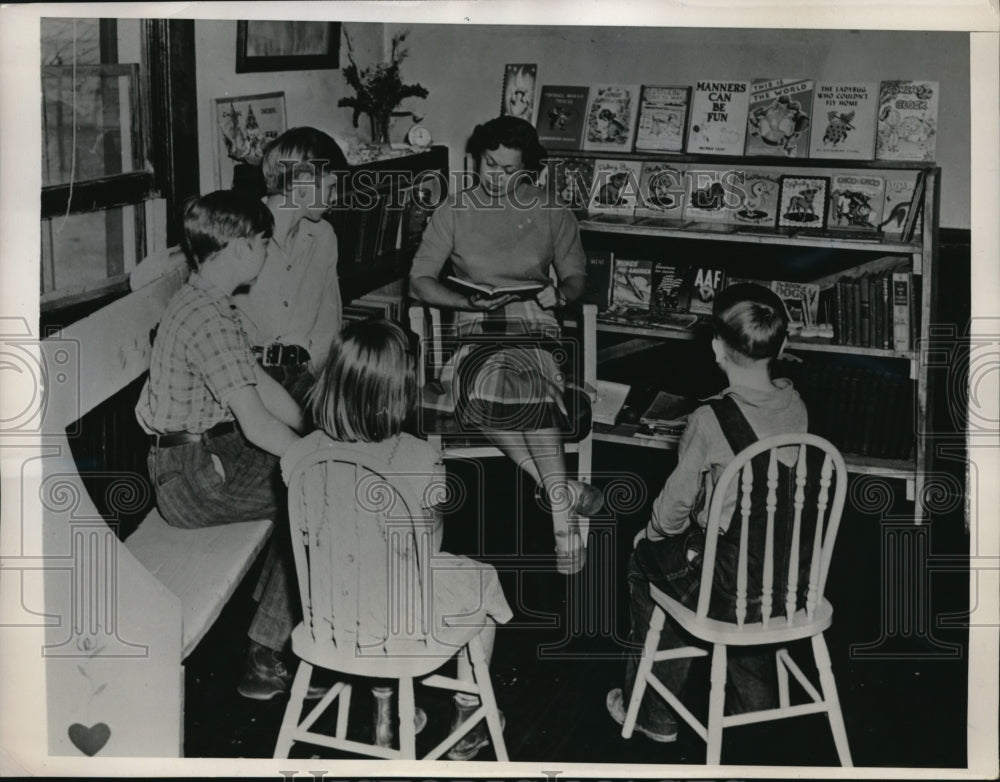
<point>418,136</point>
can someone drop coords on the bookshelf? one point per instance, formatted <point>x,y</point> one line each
<point>825,253</point>
<point>378,223</point>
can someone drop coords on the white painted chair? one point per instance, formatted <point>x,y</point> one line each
<point>805,612</point>
<point>346,511</point>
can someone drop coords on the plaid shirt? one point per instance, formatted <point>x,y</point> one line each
<point>200,355</point>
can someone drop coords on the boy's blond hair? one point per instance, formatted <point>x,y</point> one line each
<point>751,322</point>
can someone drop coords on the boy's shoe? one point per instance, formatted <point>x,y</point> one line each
<point>616,708</point>
<point>264,674</point>
<point>478,737</point>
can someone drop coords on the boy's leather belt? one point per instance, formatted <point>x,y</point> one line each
<point>183,438</point>
<point>278,355</point>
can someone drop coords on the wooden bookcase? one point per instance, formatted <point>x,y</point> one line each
<point>377,207</point>
<point>705,245</point>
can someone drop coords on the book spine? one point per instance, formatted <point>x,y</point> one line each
<point>901,282</point>
<point>840,308</point>
<point>886,309</point>
<point>864,313</point>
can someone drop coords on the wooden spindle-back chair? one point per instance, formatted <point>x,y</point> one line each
<point>363,552</point>
<point>772,591</point>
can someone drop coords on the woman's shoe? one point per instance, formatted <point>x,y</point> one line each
<point>589,499</point>
<point>571,552</point>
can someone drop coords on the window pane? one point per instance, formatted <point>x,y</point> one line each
<point>100,141</point>
<point>82,250</point>
<point>58,41</point>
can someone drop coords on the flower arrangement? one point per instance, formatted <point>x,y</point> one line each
<point>380,89</point>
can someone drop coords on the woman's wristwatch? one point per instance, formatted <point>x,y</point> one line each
<point>561,300</point>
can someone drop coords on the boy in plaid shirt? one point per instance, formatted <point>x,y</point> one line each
<point>218,422</point>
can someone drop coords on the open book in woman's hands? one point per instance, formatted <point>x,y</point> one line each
<point>523,290</point>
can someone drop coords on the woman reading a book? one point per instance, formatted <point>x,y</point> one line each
<point>505,237</point>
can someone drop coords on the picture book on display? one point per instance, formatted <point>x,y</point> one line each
<point>899,191</point>
<point>662,191</point>
<point>803,201</point>
<point>662,121</point>
<point>562,112</point>
<point>907,120</point>
<point>573,177</point>
<point>758,199</point>
<point>801,300</point>
<point>700,285</point>
<point>856,201</point>
<point>519,91</point>
<point>598,288</point>
<point>712,195</point>
<point>522,290</point>
<point>611,115</point>
<point>668,295</point>
<point>615,187</point>
<point>719,117</point>
<point>778,117</point>
<point>843,120</point>
<point>630,287</point>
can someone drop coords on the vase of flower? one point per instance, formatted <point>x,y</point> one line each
<point>379,89</point>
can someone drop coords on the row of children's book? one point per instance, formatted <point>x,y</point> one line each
<point>873,204</point>
<point>876,308</point>
<point>794,117</point>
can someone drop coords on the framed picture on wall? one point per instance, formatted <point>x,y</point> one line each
<point>244,126</point>
<point>276,45</point>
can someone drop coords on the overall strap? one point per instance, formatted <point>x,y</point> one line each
<point>733,423</point>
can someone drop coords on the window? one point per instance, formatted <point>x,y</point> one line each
<point>98,189</point>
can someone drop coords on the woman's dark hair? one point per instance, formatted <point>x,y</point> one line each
<point>751,321</point>
<point>368,386</point>
<point>214,220</point>
<point>510,132</point>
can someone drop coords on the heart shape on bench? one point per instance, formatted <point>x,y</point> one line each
<point>90,740</point>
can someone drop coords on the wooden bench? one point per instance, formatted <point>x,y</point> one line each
<point>127,613</point>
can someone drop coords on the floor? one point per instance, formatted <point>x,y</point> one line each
<point>902,681</point>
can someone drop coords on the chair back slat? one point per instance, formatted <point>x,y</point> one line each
<point>767,598</point>
<point>366,537</point>
<point>746,505</point>
<point>791,593</point>
<point>815,567</point>
<point>773,555</point>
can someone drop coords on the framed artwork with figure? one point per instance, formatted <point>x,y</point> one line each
<point>277,45</point>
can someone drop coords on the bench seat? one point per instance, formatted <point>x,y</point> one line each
<point>201,567</point>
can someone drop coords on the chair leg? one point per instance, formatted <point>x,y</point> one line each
<point>343,707</point>
<point>716,702</point>
<point>289,723</point>
<point>829,686</point>
<point>649,648</point>
<point>484,684</point>
<point>407,713</point>
<point>783,698</point>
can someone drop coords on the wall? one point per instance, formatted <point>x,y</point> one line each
<point>310,96</point>
<point>462,67</point>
